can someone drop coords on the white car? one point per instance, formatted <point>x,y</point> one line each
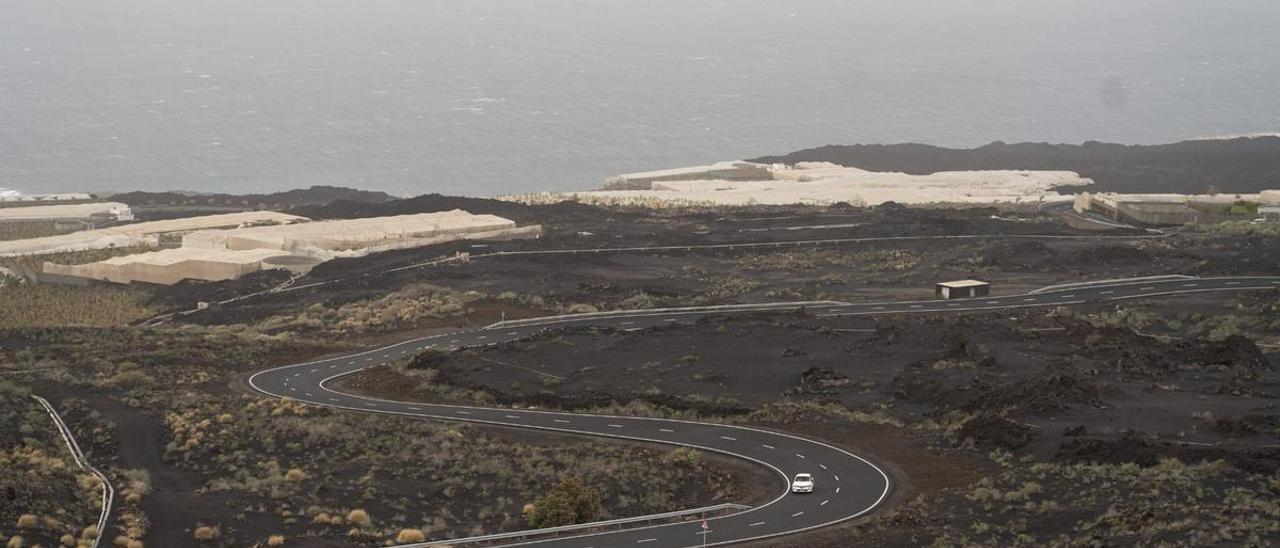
<point>802,484</point>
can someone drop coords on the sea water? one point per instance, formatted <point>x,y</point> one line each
<point>483,97</point>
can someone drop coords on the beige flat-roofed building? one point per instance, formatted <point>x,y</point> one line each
<point>961,289</point>
<point>350,234</point>
<point>107,210</point>
<point>170,266</point>
<point>136,234</point>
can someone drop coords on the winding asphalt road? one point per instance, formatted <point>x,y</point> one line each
<point>847,486</point>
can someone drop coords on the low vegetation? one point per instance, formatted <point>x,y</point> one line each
<point>45,305</point>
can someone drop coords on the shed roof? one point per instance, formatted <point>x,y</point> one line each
<point>963,283</point>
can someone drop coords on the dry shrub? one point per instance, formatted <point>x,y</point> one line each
<point>411,535</point>
<point>89,533</point>
<point>275,540</point>
<point>321,519</point>
<point>204,532</point>
<point>68,540</point>
<point>28,521</point>
<point>15,541</point>
<point>295,474</point>
<point>134,543</point>
<point>359,517</point>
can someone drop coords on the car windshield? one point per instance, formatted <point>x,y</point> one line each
<point>803,477</point>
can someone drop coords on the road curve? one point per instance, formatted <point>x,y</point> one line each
<point>848,486</point>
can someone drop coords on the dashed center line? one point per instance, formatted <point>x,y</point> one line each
<point>837,477</point>
<point>665,430</point>
<point>728,438</point>
<point>801,456</point>
<point>1107,292</point>
<point>822,466</point>
<point>798,514</point>
<point>561,421</point>
<point>823,503</point>
<point>645,540</point>
<point>755,524</point>
<point>464,412</point>
<point>512,416</point>
<point>1148,288</point>
<point>615,426</point>
<point>767,446</point>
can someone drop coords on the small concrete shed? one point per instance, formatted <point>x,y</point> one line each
<point>963,289</point>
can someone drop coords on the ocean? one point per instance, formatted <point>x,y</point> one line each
<point>484,97</point>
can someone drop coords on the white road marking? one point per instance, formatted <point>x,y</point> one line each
<point>822,466</point>
<point>646,540</point>
<point>767,446</point>
<point>665,430</point>
<point>464,412</point>
<point>334,366</point>
<point>627,323</point>
<point>1030,299</point>
<point>835,476</point>
<point>512,416</point>
<point>669,320</point>
<point>314,370</point>
<point>1071,296</point>
<point>615,426</point>
<point>1107,292</point>
<point>993,302</point>
<point>798,514</point>
<point>333,399</point>
<point>755,524</point>
<point>837,490</point>
<point>728,438</point>
<point>953,304</point>
<point>877,308</point>
<point>1233,283</point>
<point>415,409</point>
<point>371,404</point>
<point>351,362</point>
<point>562,421</point>
<point>309,395</point>
<point>482,337</point>
<point>1190,285</point>
<point>824,503</point>
<point>917,306</point>
<point>799,455</point>
<point>512,333</point>
<point>455,341</point>
<point>1148,288</point>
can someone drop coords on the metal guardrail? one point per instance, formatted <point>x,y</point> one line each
<point>660,311</point>
<point>1105,283</point>
<point>108,492</point>
<point>579,527</point>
